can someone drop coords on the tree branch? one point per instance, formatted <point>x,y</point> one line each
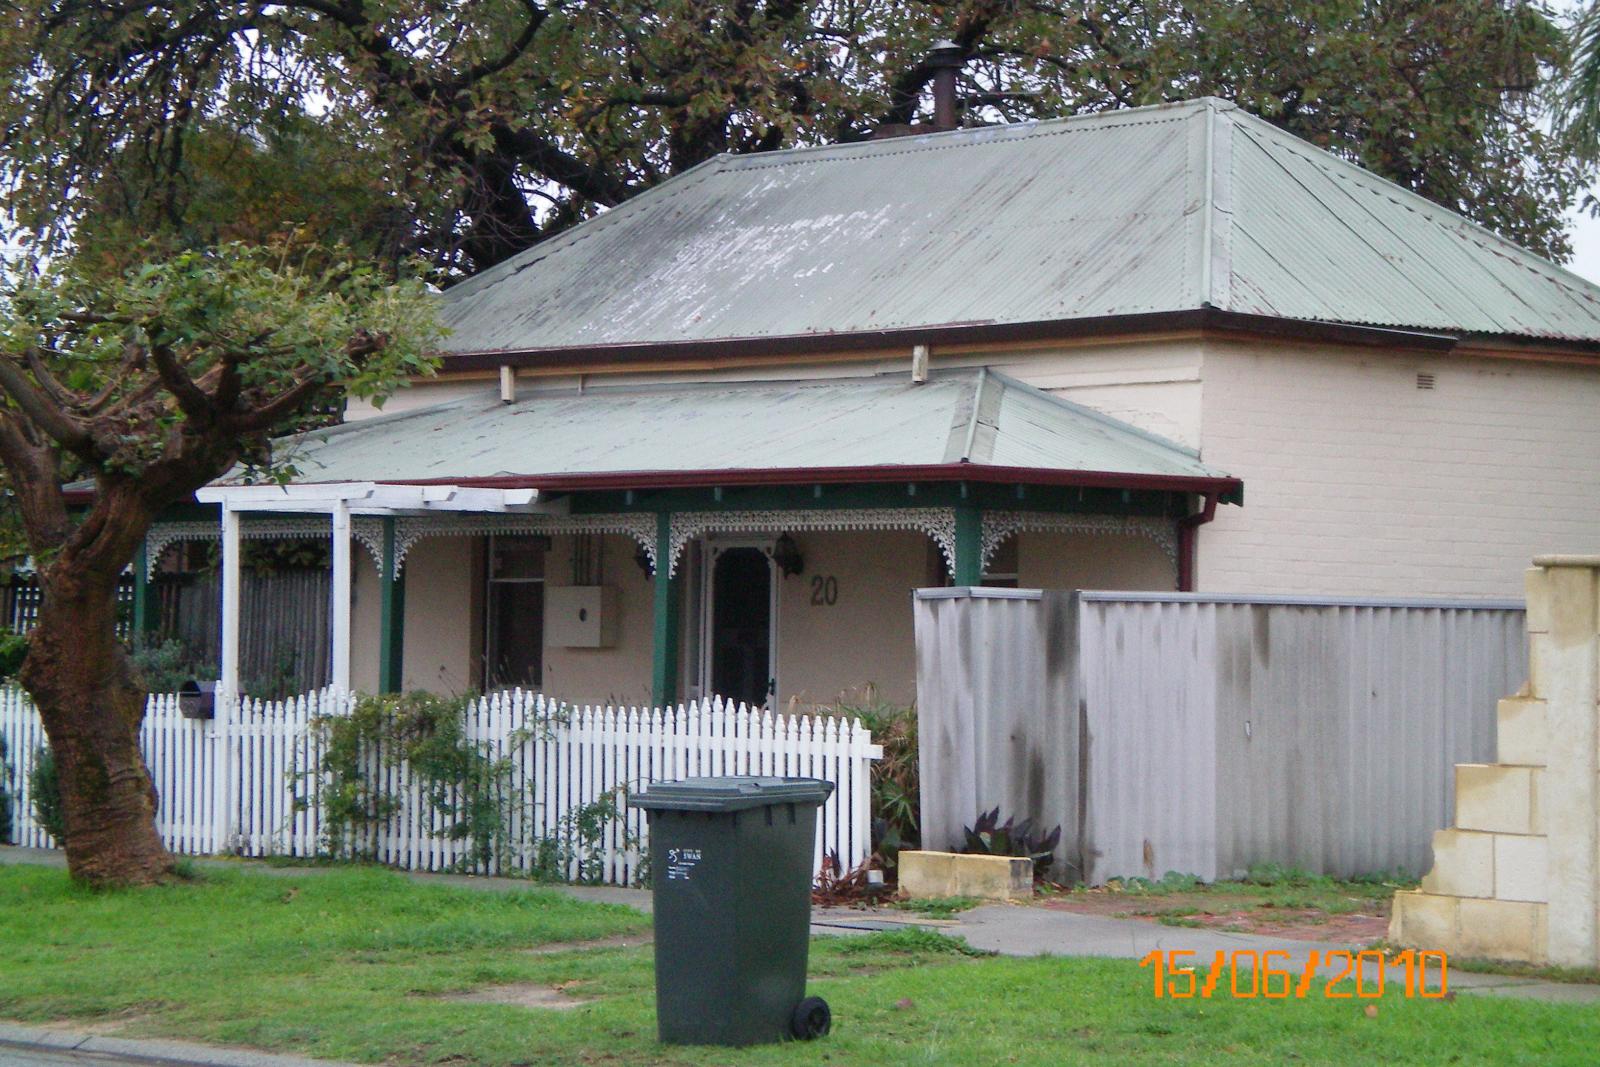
<point>193,402</point>
<point>43,413</point>
<point>34,470</point>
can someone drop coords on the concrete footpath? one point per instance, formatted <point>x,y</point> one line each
<point>1007,929</point>
<point>36,1046</point>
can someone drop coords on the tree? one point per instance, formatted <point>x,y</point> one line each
<point>156,381</point>
<point>496,122</point>
<point>1577,95</point>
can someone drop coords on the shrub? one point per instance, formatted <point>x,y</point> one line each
<point>988,836</point>
<point>468,786</point>
<point>896,797</point>
<point>44,782</point>
<point>5,796</point>
<point>13,646</point>
<point>165,665</point>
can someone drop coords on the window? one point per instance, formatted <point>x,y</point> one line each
<point>514,613</point>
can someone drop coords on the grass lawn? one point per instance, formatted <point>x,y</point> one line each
<point>358,964</point>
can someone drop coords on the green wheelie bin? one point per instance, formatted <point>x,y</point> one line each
<point>731,863</point>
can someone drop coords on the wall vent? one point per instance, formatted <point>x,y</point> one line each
<point>1425,380</point>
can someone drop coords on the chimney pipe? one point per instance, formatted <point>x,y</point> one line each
<point>946,59</point>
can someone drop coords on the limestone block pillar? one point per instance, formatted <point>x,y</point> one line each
<point>1516,876</point>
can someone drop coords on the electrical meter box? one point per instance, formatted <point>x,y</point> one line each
<point>580,616</point>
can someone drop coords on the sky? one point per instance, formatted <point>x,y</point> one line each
<point>1585,244</point>
<point>1585,230</point>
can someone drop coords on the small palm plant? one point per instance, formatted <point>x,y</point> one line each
<point>988,836</point>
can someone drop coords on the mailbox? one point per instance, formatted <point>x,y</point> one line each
<point>197,700</point>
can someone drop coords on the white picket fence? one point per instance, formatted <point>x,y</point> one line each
<point>230,785</point>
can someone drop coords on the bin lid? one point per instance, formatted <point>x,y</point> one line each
<point>730,793</point>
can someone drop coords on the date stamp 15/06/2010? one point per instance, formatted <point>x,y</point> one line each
<point>1184,974</point>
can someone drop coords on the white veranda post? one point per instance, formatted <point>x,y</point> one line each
<point>342,502</point>
<point>227,696</point>
<point>340,613</point>
<point>229,681</point>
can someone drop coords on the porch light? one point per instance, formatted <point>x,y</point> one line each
<point>786,554</point>
<point>642,558</point>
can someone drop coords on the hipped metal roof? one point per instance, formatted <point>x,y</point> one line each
<point>970,425</point>
<point>1149,210</point>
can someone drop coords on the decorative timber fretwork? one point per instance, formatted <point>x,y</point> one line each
<point>999,525</point>
<point>937,523</point>
<point>641,526</point>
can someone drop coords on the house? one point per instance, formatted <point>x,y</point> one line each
<point>710,440</point>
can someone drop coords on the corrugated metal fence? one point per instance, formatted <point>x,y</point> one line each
<point>1206,734</point>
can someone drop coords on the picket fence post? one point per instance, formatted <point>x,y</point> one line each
<point>232,781</point>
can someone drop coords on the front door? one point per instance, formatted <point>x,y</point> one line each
<point>739,630</point>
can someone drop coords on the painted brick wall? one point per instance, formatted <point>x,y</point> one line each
<point>1359,482</point>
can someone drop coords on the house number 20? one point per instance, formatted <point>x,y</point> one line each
<point>824,590</point>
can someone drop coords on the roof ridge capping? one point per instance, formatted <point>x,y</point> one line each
<point>979,136</point>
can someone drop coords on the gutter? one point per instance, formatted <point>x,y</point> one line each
<point>624,354</point>
<point>1189,541</point>
<point>1215,488</point>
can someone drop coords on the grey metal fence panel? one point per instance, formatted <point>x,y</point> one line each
<point>1005,730</point>
<point>1210,734</point>
<point>1150,779</point>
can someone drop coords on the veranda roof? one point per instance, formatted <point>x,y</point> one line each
<point>972,425</point>
<point>1181,209</point>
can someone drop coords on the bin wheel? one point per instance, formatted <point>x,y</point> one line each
<point>812,1019</point>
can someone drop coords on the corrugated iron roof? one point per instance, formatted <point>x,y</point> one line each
<point>968,418</point>
<point>1169,208</point>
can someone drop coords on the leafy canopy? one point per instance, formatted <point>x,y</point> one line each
<point>467,130</point>
<point>156,379</point>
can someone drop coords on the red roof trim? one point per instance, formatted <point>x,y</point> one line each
<point>942,472</point>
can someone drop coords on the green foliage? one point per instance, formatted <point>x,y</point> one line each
<point>575,846</point>
<point>13,647</point>
<point>438,117</point>
<point>1577,94</point>
<point>6,823</point>
<point>939,907</point>
<point>909,941</point>
<point>896,796</point>
<point>1171,882</point>
<point>462,780</point>
<point>988,836</point>
<point>277,321</point>
<point>44,787</point>
<point>163,666</point>
<point>278,557</point>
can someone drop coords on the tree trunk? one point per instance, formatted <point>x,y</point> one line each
<point>84,687</point>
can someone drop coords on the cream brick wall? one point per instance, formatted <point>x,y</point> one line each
<point>1154,385</point>
<point>1357,482</point>
<point>1517,876</point>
